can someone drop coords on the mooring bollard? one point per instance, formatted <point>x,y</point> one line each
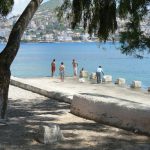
<point>107,78</point>
<point>120,81</point>
<point>93,78</point>
<point>85,74</point>
<point>136,84</point>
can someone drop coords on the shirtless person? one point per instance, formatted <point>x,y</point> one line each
<point>53,67</point>
<point>62,71</point>
<point>75,67</point>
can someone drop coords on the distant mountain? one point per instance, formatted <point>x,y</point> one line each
<point>50,5</point>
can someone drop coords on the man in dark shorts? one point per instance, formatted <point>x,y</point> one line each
<point>99,74</point>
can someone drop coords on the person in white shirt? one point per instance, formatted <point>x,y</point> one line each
<point>99,74</point>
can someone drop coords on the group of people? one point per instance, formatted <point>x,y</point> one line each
<point>99,71</point>
<point>62,69</point>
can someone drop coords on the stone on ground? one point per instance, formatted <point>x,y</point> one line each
<point>120,81</point>
<point>108,110</point>
<point>85,74</point>
<point>107,78</point>
<point>49,134</point>
<point>93,76</point>
<point>136,84</point>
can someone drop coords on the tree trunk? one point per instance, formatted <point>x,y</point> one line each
<point>4,86</point>
<point>9,53</point>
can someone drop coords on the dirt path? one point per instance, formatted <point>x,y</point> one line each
<point>28,110</point>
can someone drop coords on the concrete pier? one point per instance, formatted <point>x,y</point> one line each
<point>132,106</point>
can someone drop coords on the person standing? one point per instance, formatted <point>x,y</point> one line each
<point>81,73</point>
<point>53,67</point>
<point>62,71</point>
<point>99,74</point>
<point>75,67</point>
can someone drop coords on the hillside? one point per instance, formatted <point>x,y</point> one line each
<point>50,5</point>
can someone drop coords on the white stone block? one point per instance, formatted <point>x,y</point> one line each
<point>107,78</point>
<point>120,81</point>
<point>85,74</point>
<point>136,84</point>
<point>93,76</point>
<point>49,134</point>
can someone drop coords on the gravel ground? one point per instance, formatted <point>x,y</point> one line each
<point>27,110</point>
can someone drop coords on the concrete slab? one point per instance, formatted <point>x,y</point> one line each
<point>72,86</point>
<point>115,112</point>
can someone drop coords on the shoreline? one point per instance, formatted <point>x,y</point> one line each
<point>70,80</point>
<point>111,64</point>
<point>64,42</point>
<point>128,86</point>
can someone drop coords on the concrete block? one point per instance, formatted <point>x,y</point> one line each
<point>49,134</point>
<point>120,81</point>
<point>119,113</point>
<point>85,74</point>
<point>93,76</point>
<point>107,78</point>
<point>136,84</point>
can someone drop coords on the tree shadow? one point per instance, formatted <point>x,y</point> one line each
<point>25,116</point>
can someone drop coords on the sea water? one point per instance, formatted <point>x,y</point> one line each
<point>34,59</point>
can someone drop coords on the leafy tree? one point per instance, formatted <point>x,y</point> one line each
<point>6,6</point>
<point>99,17</point>
<point>9,52</point>
<point>134,41</point>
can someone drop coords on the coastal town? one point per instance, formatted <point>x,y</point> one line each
<point>45,27</point>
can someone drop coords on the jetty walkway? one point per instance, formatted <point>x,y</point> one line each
<point>107,103</point>
<point>72,86</point>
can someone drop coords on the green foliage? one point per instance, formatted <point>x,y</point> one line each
<point>99,17</point>
<point>6,6</point>
<point>134,42</point>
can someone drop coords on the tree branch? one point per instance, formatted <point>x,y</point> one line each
<point>13,43</point>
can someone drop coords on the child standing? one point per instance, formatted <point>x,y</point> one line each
<point>62,71</point>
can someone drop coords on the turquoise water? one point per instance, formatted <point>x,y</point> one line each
<point>33,60</point>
